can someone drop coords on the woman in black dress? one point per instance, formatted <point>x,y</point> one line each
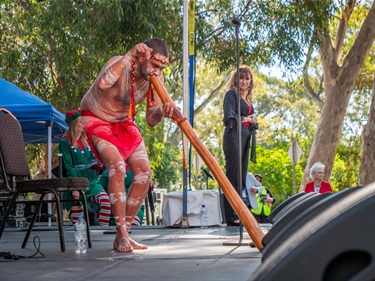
<point>249,125</point>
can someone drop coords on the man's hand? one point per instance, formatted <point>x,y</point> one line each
<point>167,110</point>
<point>140,50</point>
<point>254,189</point>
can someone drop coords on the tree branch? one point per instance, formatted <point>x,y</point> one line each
<point>213,94</point>
<point>306,81</point>
<point>361,46</point>
<point>343,27</point>
<point>245,9</point>
<point>175,137</point>
<point>330,66</point>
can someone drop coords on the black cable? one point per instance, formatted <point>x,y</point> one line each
<point>13,257</point>
<point>37,248</point>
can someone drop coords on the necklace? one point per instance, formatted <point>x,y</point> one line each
<point>316,187</point>
<point>131,94</point>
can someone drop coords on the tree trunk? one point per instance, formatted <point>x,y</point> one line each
<point>329,128</point>
<point>339,82</point>
<point>366,172</point>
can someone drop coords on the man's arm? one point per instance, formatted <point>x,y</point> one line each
<point>154,115</point>
<point>115,66</point>
<point>155,111</point>
<point>112,71</point>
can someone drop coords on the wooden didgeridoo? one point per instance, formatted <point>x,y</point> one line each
<point>232,195</point>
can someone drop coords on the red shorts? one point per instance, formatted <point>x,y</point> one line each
<point>126,136</point>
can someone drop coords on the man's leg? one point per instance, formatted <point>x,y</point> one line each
<point>116,190</point>
<point>140,167</point>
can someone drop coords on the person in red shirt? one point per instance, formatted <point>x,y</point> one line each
<point>318,184</point>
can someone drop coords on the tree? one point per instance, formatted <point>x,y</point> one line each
<point>55,49</point>
<point>339,82</point>
<point>366,174</point>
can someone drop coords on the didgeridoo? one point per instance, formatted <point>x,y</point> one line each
<point>232,195</point>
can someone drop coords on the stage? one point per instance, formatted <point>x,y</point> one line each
<point>173,254</point>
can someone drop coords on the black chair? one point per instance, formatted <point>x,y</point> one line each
<point>16,179</point>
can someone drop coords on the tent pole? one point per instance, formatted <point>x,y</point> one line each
<point>49,169</point>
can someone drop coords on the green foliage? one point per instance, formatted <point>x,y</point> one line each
<point>167,172</point>
<point>34,162</point>
<point>275,166</point>
<point>346,167</point>
<point>271,32</point>
<point>163,158</point>
<point>65,43</point>
<point>55,50</point>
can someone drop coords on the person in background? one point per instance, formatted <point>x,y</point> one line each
<point>265,201</point>
<point>318,184</point>
<point>253,187</point>
<point>108,110</point>
<point>249,125</point>
<point>79,161</point>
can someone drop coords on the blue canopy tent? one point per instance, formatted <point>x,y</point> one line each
<point>40,121</point>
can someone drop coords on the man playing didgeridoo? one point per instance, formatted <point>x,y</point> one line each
<point>108,119</point>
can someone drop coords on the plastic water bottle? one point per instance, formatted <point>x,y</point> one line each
<point>80,236</point>
<point>204,217</point>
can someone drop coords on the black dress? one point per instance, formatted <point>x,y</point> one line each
<point>230,145</point>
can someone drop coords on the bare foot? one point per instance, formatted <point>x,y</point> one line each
<point>137,246</point>
<point>116,242</point>
<point>122,244</point>
<point>127,244</point>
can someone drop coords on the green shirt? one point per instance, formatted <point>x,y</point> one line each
<point>72,157</point>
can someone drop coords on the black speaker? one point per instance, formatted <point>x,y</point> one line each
<point>292,204</point>
<point>293,213</point>
<point>283,204</point>
<point>298,221</point>
<point>337,243</point>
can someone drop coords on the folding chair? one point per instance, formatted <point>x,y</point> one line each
<point>15,174</point>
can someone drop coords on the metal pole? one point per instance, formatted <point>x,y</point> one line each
<point>294,153</point>
<point>147,210</point>
<point>49,174</point>
<point>185,89</point>
<point>237,23</point>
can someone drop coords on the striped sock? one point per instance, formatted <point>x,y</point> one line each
<point>105,207</point>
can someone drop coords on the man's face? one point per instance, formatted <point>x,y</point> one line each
<point>153,66</point>
<point>259,179</point>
